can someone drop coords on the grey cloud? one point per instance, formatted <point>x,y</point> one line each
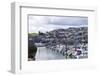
<point>68,21</point>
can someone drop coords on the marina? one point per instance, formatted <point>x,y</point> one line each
<point>59,52</point>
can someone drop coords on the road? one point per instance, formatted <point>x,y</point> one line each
<point>47,54</point>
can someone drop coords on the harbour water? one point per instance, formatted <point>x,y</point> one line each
<point>44,53</point>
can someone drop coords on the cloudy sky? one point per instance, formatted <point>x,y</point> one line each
<point>48,23</point>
